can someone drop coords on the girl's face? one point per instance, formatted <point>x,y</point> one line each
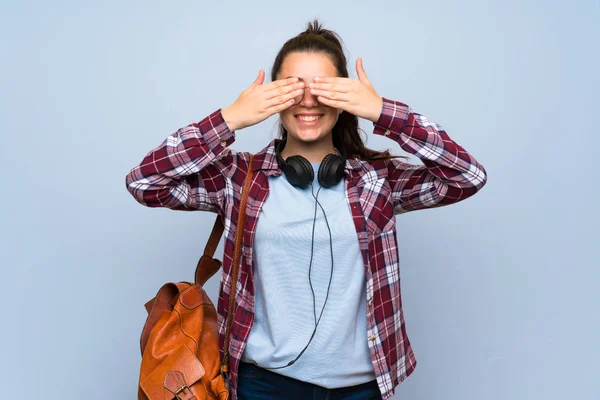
<point>308,121</point>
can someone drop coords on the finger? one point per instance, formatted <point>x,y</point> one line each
<point>281,83</point>
<point>283,98</point>
<point>345,97</point>
<point>331,79</point>
<point>284,91</point>
<point>332,103</point>
<point>280,107</point>
<point>280,88</point>
<point>344,87</point>
<point>259,79</point>
<point>360,71</point>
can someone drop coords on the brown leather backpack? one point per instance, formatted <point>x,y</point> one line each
<point>180,339</point>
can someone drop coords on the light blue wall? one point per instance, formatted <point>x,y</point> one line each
<point>500,291</point>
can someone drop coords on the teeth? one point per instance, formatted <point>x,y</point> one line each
<point>308,119</point>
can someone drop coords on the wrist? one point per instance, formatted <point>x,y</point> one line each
<point>229,119</point>
<point>377,110</point>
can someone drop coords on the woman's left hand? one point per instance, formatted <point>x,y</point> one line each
<point>356,96</point>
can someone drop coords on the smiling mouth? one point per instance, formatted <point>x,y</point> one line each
<point>308,118</point>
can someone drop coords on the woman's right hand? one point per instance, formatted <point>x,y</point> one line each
<point>258,102</point>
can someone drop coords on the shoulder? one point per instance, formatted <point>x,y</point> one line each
<point>234,164</point>
<point>369,169</point>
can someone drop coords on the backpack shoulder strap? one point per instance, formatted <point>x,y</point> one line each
<point>236,262</point>
<point>208,266</point>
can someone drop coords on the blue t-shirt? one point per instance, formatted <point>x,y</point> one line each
<point>338,355</point>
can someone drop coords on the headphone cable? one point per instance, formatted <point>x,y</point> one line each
<point>309,277</point>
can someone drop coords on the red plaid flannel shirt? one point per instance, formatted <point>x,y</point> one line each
<point>194,169</point>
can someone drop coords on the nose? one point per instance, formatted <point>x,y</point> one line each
<point>309,99</point>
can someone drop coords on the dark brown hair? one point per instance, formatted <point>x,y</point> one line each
<point>346,134</point>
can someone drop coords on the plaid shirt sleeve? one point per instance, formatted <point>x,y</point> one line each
<point>449,174</point>
<point>188,170</point>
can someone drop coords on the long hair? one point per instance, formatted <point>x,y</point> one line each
<point>345,133</point>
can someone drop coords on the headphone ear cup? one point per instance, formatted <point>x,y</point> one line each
<point>298,171</point>
<point>331,170</point>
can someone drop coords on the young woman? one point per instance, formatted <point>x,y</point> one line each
<point>318,312</point>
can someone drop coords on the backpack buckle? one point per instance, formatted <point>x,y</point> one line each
<point>181,390</point>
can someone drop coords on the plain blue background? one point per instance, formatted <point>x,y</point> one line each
<point>500,291</point>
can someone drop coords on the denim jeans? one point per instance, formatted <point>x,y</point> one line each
<point>255,383</point>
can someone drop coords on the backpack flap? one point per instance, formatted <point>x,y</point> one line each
<point>173,378</point>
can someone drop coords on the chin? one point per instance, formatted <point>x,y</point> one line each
<point>306,135</point>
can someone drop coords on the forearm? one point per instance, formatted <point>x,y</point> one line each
<point>444,158</point>
<point>159,180</point>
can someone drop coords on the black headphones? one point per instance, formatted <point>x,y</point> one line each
<point>299,172</point>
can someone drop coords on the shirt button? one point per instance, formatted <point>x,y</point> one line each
<point>223,143</point>
<point>371,303</point>
<point>372,338</point>
<point>387,132</point>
